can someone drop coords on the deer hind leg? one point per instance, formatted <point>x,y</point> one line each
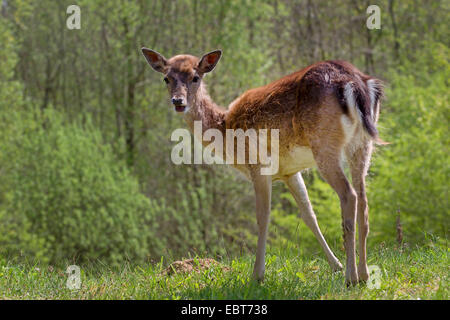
<point>359,159</point>
<point>263,190</point>
<point>328,161</point>
<point>297,187</point>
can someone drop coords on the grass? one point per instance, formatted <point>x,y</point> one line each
<point>407,273</point>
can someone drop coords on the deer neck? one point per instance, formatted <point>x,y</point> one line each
<point>205,110</point>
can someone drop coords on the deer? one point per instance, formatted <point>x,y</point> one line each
<point>326,114</point>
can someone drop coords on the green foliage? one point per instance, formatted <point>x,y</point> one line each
<point>190,224</point>
<point>412,173</point>
<point>10,89</point>
<point>68,197</point>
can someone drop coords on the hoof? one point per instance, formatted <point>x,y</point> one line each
<point>351,280</point>
<point>363,278</point>
<point>336,266</point>
<point>258,278</point>
<point>351,283</point>
<point>363,274</point>
<point>362,282</point>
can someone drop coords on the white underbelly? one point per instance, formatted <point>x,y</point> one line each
<point>297,159</point>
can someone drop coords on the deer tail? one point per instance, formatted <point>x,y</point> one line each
<point>364,97</point>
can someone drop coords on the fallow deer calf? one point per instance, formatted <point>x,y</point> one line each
<point>324,113</point>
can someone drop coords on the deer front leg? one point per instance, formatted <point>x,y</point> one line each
<point>263,191</point>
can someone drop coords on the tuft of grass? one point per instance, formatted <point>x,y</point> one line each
<point>406,273</point>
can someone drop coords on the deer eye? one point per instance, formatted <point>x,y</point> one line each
<point>166,80</point>
<point>195,79</point>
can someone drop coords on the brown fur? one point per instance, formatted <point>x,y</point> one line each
<point>322,111</point>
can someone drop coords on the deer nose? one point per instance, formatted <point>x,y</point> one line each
<point>177,101</point>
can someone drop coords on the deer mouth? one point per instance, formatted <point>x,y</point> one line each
<point>180,108</point>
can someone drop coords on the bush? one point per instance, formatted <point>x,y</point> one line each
<point>68,197</point>
<point>412,173</point>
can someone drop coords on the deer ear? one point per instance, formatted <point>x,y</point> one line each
<point>209,61</point>
<point>156,60</point>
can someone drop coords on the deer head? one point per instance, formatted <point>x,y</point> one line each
<point>183,74</point>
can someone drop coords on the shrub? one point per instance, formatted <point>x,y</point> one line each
<point>68,197</point>
<point>412,173</point>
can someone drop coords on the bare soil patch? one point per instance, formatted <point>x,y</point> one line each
<point>192,265</point>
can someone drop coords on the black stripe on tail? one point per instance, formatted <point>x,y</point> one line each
<point>363,103</point>
<point>367,94</point>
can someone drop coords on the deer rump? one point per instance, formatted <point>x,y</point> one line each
<point>356,92</point>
